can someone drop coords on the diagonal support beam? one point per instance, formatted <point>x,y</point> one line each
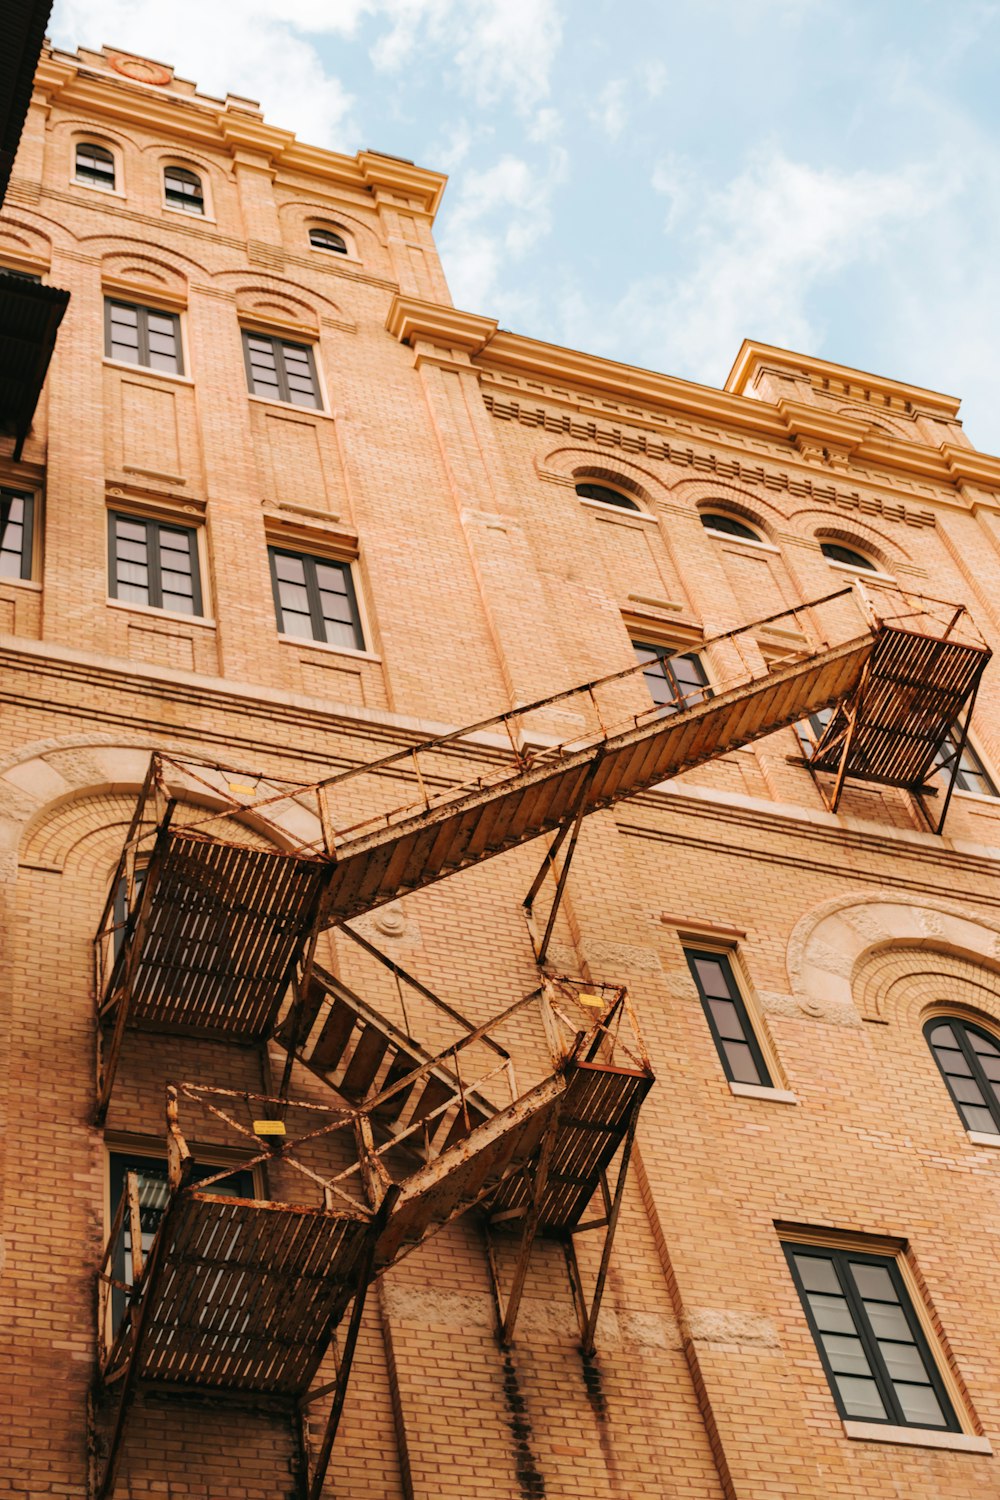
<point>571,826</point>
<point>507,1314</point>
<point>588,1316</point>
<point>362,1284</point>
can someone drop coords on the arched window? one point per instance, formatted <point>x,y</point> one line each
<point>328,239</point>
<point>182,189</point>
<point>95,166</point>
<point>969,1059</point>
<point>847,557</point>
<point>607,496</point>
<point>714,521</point>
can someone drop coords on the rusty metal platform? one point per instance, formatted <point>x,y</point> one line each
<point>243,1295</point>
<point>594,1115</point>
<point>218,930</point>
<point>912,695</point>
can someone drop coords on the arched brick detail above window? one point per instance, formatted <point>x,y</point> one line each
<point>36,825</point>
<point>830,952</point>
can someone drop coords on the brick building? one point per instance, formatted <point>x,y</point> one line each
<point>282,511</point>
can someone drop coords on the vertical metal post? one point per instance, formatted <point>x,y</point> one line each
<point>602,1274</point>
<point>350,1344</point>
<point>959,752</point>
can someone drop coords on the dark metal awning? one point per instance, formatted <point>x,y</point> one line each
<point>22,31</point>
<point>30,314</point>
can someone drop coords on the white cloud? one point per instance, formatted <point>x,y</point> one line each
<point>610,112</point>
<point>499,216</point>
<point>757,250</point>
<point>251,47</point>
<point>501,48</point>
<point>270,49</point>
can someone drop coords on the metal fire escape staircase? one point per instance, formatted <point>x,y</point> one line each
<point>226,881</point>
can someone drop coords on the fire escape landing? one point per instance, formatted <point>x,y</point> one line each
<point>209,933</point>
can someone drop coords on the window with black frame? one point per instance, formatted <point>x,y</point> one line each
<point>970,773</point>
<point>143,336</point>
<point>328,239</point>
<point>675,681</point>
<point>874,1352</point>
<point>95,166</point>
<point>154,1195</point>
<point>182,189</point>
<point>279,370</point>
<point>153,563</point>
<point>314,598</point>
<point>969,1059</point>
<point>17,516</point>
<point>725,1010</point>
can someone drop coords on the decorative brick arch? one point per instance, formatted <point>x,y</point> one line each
<point>907,985</point>
<point>828,954</point>
<point>36,783</point>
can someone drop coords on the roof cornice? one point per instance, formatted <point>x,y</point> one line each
<point>754,356</point>
<point>193,117</point>
<point>817,433</point>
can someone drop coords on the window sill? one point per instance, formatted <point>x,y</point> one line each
<point>22,583</point>
<point>124,364</point>
<point>336,257</point>
<point>762,1091</point>
<point>168,208</point>
<point>983,1138</point>
<point>203,621</point>
<point>741,541</point>
<point>916,1437</point>
<point>983,797</point>
<point>619,512</point>
<point>103,192</point>
<point>308,645</point>
<point>874,575</point>
<point>302,411</point>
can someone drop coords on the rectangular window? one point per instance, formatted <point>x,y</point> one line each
<point>152,563</point>
<point>143,336</point>
<point>873,1349</point>
<point>17,517</point>
<point>727,1017</point>
<point>279,370</point>
<point>154,1195</point>
<point>971,775</point>
<point>314,598</point>
<point>675,682</point>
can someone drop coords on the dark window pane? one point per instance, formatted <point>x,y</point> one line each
<point>847,556</point>
<point>876,1360</point>
<point>325,239</point>
<point>605,495</point>
<point>714,980</point>
<point>873,1281</point>
<point>920,1405</point>
<point>741,1062</point>
<point>154,564</point>
<point>727,1019</point>
<point>969,1060</point>
<point>861,1399</point>
<point>182,189</point>
<point>16,524</point>
<point>712,521</point>
<point>818,1274</point>
<point>95,166</point>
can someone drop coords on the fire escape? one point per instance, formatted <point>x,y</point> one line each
<point>226,881</point>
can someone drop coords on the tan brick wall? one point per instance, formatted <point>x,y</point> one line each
<point>484,583</point>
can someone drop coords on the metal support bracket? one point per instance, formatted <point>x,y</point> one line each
<point>587,1315</point>
<point>571,827</point>
<point>507,1310</point>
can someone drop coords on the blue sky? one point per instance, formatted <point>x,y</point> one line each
<point>656,181</point>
